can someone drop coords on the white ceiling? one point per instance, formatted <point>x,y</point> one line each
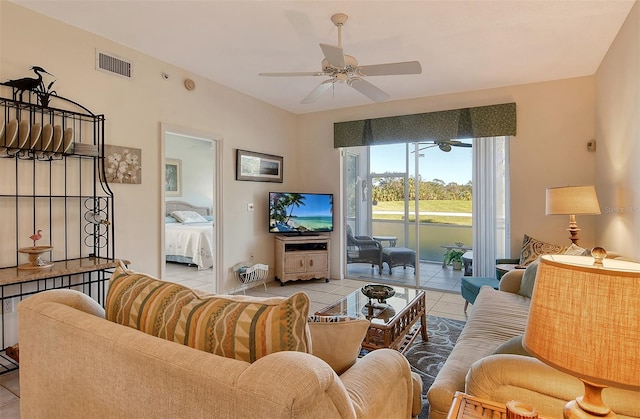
<point>462,45</point>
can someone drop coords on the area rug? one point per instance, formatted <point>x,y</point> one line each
<point>427,358</point>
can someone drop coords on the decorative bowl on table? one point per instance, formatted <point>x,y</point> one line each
<point>378,292</point>
<point>459,244</point>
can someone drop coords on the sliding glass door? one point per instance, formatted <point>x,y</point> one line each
<point>417,197</point>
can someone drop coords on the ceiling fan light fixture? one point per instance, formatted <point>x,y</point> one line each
<point>342,68</point>
<point>446,147</point>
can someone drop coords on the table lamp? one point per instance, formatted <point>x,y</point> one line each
<point>583,320</point>
<point>572,201</point>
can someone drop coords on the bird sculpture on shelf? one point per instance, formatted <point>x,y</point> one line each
<point>26,83</point>
<point>35,237</point>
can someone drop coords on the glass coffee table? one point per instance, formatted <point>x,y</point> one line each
<point>393,325</point>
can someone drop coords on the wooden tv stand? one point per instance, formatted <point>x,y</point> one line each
<point>302,257</point>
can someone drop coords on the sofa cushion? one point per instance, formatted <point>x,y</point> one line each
<point>575,250</point>
<point>532,248</point>
<point>240,327</point>
<point>528,279</point>
<point>512,347</point>
<point>337,340</point>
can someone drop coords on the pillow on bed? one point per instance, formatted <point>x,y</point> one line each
<point>186,217</point>
<point>170,220</point>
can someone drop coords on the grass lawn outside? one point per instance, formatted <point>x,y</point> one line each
<point>394,210</point>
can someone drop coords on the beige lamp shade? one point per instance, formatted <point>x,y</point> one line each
<point>585,319</point>
<point>572,200</point>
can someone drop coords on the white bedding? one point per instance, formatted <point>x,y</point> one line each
<point>194,241</point>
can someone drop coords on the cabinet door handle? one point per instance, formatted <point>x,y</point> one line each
<point>311,262</point>
<point>301,262</point>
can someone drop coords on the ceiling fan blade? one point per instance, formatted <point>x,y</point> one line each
<point>390,69</point>
<point>334,55</point>
<point>458,143</point>
<point>317,92</point>
<point>368,89</point>
<point>293,74</point>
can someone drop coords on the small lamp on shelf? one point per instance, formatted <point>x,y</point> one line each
<point>583,320</point>
<point>572,201</point>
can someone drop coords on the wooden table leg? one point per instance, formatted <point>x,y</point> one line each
<point>423,327</point>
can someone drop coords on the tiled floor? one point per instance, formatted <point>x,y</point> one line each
<point>443,300</point>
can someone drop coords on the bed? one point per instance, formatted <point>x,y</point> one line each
<point>187,238</point>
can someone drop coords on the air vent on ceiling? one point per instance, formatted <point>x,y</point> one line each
<point>114,65</point>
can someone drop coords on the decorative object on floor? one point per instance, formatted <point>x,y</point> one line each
<point>583,320</point>
<point>123,164</point>
<point>378,292</point>
<point>258,167</point>
<point>247,273</point>
<point>572,201</point>
<point>427,358</point>
<point>454,258</point>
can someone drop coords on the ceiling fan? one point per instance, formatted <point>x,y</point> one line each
<point>343,68</point>
<point>445,145</point>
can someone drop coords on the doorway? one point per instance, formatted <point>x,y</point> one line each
<point>191,233</point>
<point>415,197</point>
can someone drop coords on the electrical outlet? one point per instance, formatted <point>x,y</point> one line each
<point>7,306</point>
<point>250,207</point>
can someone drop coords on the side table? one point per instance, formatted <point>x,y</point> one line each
<point>391,239</point>
<point>503,268</point>
<point>470,407</point>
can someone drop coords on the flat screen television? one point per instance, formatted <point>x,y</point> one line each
<point>300,213</point>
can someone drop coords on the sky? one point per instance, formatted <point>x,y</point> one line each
<point>454,166</point>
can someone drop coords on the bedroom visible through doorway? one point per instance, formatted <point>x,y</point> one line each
<point>190,195</point>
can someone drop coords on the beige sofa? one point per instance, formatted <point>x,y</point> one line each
<point>74,363</point>
<point>495,318</point>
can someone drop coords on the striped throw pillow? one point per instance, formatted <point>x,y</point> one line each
<point>239,327</point>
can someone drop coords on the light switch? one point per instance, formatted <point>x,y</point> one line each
<point>250,207</point>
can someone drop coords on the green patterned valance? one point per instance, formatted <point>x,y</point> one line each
<point>478,122</point>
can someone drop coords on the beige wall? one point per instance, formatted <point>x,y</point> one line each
<point>555,122</point>
<point>618,140</point>
<point>134,110</point>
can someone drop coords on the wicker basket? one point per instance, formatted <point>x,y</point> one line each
<point>248,274</point>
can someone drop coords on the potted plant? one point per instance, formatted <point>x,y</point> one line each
<point>454,257</point>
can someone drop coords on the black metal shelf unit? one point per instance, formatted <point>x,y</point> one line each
<point>52,179</point>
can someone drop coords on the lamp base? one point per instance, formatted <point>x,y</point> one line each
<point>573,229</point>
<point>588,406</point>
<point>573,411</point>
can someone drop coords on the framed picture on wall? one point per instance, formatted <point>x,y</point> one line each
<point>173,177</point>
<point>122,164</point>
<point>258,167</point>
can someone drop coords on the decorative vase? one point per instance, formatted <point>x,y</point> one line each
<point>457,265</point>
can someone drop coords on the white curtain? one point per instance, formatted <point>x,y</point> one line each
<point>490,203</point>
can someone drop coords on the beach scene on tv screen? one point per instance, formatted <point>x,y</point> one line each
<point>300,213</point>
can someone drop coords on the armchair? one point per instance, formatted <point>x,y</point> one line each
<point>363,249</point>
